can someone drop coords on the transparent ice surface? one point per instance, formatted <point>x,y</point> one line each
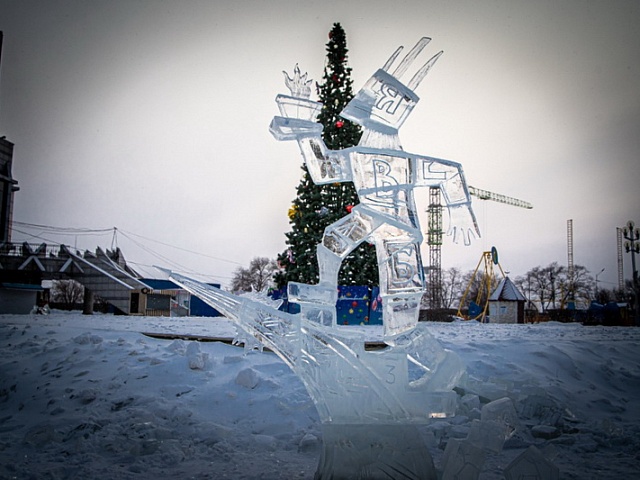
<point>487,435</point>
<point>349,385</point>
<point>531,465</point>
<point>502,413</point>
<point>542,409</point>
<point>291,107</point>
<point>283,128</point>
<point>385,177</point>
<point>374,452</point>
<point>462,460</point>
<point>360,395</point>
<point>412,379</point>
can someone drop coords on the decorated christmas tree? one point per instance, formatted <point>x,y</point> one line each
<point>317,206</point>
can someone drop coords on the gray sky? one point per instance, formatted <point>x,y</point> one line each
<point>152,116</point>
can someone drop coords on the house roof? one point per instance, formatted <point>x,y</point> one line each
<point>160,284</point>
<point>22,286</point>
<point>506,290</point>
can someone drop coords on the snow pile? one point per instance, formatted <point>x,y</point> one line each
<point>93,397</point>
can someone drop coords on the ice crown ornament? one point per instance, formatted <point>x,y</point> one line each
<point>299,86</point>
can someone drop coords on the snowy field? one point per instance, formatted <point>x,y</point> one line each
<point>93,397</point>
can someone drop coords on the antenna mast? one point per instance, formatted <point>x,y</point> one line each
<point>570,267</point>
<point>434,240</point>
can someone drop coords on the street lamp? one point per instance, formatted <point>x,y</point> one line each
<point>597,274</point>
<point>632,244</point>
<point>632,235</point>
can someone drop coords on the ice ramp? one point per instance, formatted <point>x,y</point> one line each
<point>276,330</point>
<point>410,382</point>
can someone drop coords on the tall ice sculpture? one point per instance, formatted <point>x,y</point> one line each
<point>369,402</point>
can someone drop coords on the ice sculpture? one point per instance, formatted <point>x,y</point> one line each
<point>384,176</point>
<point>369,402</point>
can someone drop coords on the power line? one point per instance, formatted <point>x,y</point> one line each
<point>178,248</point>
<point>50,230</point>
<point>65,230</point>
<point>103,231</point>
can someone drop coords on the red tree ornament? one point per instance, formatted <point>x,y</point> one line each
<point>339,124</point>
<point>348,208</point>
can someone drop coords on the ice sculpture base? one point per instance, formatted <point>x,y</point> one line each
<point>374,452</point>
<point>370,403</point>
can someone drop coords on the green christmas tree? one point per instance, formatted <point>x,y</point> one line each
<point>317,206</point>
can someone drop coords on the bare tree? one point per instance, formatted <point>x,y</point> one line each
<point>554,286</point>
<point>525,285</point>
<point>258,277</point>
<point>452,287</point>
<point>67,293</point>
<point>578,286</point>
<point>540,284</point>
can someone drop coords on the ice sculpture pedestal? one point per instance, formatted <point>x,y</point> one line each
<point>370,402</point>
<point>356,451</point>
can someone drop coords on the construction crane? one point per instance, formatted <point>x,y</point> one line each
<point>496,197</point>
<point>434,236</point>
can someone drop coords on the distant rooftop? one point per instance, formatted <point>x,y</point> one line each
<point>506,290</point>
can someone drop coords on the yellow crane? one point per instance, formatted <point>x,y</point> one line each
<point>479,307</point>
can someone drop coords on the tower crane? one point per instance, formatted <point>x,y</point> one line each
<point>434,236</point>
<point>496,197</point>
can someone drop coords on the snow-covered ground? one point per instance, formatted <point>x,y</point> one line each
<point>93,397</point>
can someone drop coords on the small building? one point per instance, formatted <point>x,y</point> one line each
<point>18,298</point>
<point>506,303</point>
<point>169,300</point>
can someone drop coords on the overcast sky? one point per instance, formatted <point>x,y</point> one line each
<point>152,117</point>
